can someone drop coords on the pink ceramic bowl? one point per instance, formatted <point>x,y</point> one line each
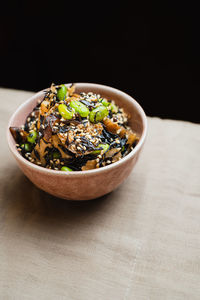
<point>82,185</point>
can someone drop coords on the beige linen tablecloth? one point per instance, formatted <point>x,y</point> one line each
<point>140,242</point>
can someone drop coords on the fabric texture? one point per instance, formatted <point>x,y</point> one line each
<point>141,241</point>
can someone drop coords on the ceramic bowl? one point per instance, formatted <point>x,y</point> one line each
<point>82,185</point>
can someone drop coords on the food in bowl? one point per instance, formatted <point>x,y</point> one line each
<point>71,131</point>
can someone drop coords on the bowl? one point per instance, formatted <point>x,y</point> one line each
<point>82,185</point>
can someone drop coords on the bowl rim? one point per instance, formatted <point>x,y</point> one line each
<point>78,173</point>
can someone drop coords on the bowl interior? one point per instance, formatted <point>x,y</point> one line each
<point>137,119</point>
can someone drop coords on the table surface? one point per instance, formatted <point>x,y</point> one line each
<point>142,241</point>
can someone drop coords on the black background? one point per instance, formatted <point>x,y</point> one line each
<point>151,54</point>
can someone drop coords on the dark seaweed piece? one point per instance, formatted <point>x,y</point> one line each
<point>55,150</point>
<point>114,144</point>
<point>69,107</point>
<point>57,100</point>
<point>41,119</point>
<point>46,92</point>
<point>76,163</point>
<point>64,149</point>
<point>41,129</point>
<point>48,155</point>
<point>26,127</point>
<point>15,131</point>
<point>31,119</point>
<point>37,155</point>
<point>16,134</point>
<point>23,150</point>
<point>46,142</point>
<point>78,118</point>
<point>134,143</point>
<point>77,121</point>
<point>90,105</point>
<point>110,115</point>
<point>108,137</point>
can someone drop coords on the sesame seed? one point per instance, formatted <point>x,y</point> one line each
<point>88,136</point>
